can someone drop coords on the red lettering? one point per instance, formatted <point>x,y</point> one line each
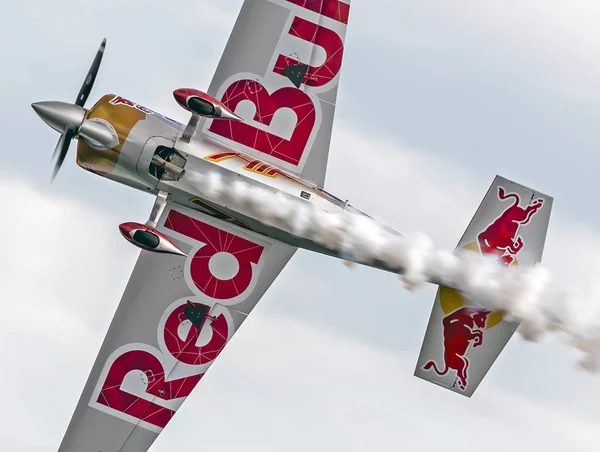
<point>216,241</point>
<point>250,164</point>
<point>323,37</point>
<point>146,363</point>
<point>334,9</point>
<point>272,172</point>
<point>266,106</point>
<point>144,109</point>
<point>186,350</point>
<point>118,100</point>
<point>221,156</point>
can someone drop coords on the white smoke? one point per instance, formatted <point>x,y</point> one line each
<point>525,294</point>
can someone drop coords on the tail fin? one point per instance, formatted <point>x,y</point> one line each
<point>511,222</point>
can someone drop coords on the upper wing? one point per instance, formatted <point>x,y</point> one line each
<point>280,72</point>
<point>462,342</point>
<point>153,356</point>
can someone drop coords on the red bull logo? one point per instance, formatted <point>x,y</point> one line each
<point>464,326</point>
<point>501,236</point>
<point>462,329</point>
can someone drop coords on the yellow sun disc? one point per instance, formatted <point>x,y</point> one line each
<point>451,299</point>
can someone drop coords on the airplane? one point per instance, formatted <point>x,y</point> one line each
<point>209,253</point>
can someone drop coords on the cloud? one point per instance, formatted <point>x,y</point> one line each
<point>416,191</point>
<point>60,250</point>
<point>555,40</point>
<point>295,386</point>
<point>410,190</point>
<point>64,267</point>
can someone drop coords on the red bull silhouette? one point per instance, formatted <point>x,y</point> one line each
<point>462,328</point>
<point>501,236</point>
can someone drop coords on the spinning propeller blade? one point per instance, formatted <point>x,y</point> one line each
<point>67,118</point>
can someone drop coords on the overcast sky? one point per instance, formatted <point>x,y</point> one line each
<point>434,101</point>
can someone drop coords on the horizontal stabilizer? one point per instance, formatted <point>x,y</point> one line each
<point>462,342</point>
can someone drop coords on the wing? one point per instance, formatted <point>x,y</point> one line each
<point>462,342</point>
<point>280,72</point>
<point>158,347</point>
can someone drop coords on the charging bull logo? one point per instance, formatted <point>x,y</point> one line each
<point>501,236</point>
<point>462,329</point>
<point>464,326</point>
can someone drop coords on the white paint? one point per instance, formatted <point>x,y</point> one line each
<point>224,266</point>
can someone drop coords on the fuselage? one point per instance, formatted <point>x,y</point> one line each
<point>150,157</point>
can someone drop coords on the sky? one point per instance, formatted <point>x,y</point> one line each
<point>435,100</point>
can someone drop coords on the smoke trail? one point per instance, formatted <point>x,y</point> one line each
<point>524,294</point>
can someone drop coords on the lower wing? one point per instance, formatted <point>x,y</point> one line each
<point>176,316</point>
<point>462,342</point>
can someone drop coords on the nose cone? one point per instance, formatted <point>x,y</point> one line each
<point>60,115</point>
<point>181,96</point>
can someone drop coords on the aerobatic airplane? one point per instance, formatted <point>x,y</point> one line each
<point>265,122</point>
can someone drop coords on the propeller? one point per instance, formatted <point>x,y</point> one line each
<point>61,149</point>
<point>68,118</point>
<point>88,83</point>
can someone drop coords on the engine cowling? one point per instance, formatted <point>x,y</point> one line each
<point>149,239</point>
<point>203,104</point>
